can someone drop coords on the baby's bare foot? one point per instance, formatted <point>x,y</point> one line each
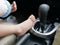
<point>32,18</point>
<point>14,6</point>
<point>26,25</point>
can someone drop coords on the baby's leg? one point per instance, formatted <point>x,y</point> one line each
<point>7,40</point>
<point>26,25</point>
<point>21,29</point>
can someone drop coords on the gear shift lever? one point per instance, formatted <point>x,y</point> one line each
<point>43,12</point>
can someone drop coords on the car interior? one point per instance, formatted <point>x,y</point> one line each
<point>50,22</point>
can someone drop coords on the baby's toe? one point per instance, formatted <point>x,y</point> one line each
<point>32,17</point>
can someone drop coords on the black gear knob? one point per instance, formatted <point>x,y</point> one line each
<point>43,12</point>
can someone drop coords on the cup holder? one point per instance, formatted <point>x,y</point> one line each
<point>50,29</point>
